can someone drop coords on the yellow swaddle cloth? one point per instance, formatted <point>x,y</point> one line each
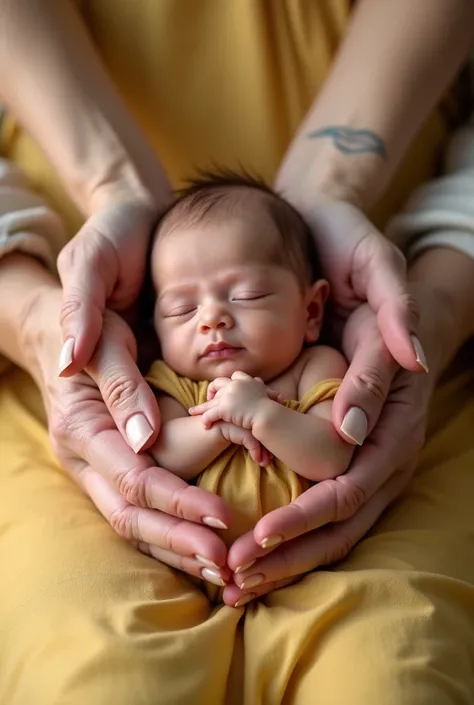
<point>250,490</point>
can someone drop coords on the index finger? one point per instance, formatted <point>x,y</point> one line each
<point>143,484</point>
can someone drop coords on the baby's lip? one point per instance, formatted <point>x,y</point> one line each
<point>219,349</point>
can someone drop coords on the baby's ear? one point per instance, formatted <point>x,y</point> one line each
<point>316,297</point>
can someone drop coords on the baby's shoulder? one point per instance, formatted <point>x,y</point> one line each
<point>318,363</point>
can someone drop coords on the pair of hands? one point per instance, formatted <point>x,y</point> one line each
<point>97,416</point>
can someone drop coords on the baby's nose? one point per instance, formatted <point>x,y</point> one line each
<point>214,319</point>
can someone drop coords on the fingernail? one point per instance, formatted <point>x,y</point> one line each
<point>66,355</point>
<point>205,561</point>
<point>420,353</point>
<point>245,599</point>
<point>215,523</point>
<point>212,576</point>
<point>354,425</point>
<point>245,566</point>
<point>253,581</point>
<point>138,431</point>
<point>271,541</point>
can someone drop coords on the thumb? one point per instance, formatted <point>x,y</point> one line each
<point>364,389</point>
<point>380,278</point>
<point>127,395</point>
<point>88,269</point>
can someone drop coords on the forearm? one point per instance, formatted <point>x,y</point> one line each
<point>53,81</point>
<point>307,444</point>
<point>395,62</point>
<point>442,280</point>
<point>185,447</point>
<point>23,285</point>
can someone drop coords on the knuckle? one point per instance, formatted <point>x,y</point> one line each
<point>69,308</point>
<point>369,381</point>
<point>119,391</point>
<point>341,547</point>
<point>349,498</point>
<point>133,486</point>
<point>410,303</point>
<point>178,502</point>
<point>124,522</point>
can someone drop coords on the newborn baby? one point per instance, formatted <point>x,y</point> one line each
<point>245,392</point>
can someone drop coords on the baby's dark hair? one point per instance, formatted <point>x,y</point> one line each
<point>214,191</point>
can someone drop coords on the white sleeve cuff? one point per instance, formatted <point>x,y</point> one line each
<point>26,222</point>
<point>441,213</point>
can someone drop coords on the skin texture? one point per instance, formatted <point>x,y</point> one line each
<point>115,179</point>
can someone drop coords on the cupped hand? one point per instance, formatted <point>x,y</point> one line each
<point>104,265</point>
<point>147,505</point>
<point>326,521</point>
<point>362,266</point>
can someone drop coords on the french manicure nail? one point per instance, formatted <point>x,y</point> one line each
<point>245,599</point>
<point>253,581</point>
<point>66,355</point>
<point>271,541</point>
<point>138,431</point>
<point>354,425</point>
<point>245,566</point>
<point>212,576</point>
<point>215,523</point>
<point>205,561</point>
<point>420,353</point>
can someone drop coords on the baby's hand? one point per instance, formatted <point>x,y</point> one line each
<point>236,401</point>
<point>243,437</point>
<point>221,382</point>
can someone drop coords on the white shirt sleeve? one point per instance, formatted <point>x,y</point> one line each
<point>26,221</point>
<point>441,212</point>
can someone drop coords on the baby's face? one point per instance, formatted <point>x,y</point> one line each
<point>223,306</point>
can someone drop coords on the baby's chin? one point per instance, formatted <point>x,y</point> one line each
<point>211,369</point>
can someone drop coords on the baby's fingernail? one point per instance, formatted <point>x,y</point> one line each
<point>205,561</point>
<point>354,425</point>
<point>66,355</point>
<point>138,431</point>
<point>420,353</point>
<point>245,599</point>
<point>245,566</point>
<point>212,576</point>
<point>214,522</point>
<point>253,581</point>
<point>271,541</point>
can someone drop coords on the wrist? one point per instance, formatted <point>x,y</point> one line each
<point>265,413</point>
<point>40,333</point>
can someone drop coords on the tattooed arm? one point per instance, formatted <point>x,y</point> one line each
<point>395,62</point>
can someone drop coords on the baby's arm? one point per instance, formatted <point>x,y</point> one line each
<point>307,443</point>
<point>184,446</point>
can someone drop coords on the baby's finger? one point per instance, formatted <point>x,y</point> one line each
<point>215,386</point>
<point>201,408</point>
<point>212,416</point>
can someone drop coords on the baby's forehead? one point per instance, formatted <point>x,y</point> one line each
<point>249,206</point>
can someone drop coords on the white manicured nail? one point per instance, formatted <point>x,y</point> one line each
<point>253,581</point>
<point>212,576</point>
<point>271,541</point>
<point>245,566</point>
<point>205,561</point>
<point>215,523</point>
<point>66,355</point>
<point>245,599</point>
<point>354,425</point>
<point>420,353</point>
<point>138,431</point>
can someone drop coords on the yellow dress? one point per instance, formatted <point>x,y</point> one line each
<point>84,617</point>
<point>251,491</point>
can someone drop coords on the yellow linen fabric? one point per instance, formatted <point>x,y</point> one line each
<point>250,490</point>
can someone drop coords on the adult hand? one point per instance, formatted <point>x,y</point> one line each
<point>362,266</point>
<point>104,265</point>
<point>326,521</point>
<point>147,505</point>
